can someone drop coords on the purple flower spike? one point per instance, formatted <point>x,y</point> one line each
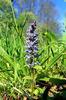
<point>32,45</point>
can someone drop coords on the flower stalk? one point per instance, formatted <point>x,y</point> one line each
<point>32,77</point>
<point>31,50</point>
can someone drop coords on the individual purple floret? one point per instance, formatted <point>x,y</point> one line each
<point>31,45</point>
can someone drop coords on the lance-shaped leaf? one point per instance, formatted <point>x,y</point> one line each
<point>4,54</point>
<point>55,59</point>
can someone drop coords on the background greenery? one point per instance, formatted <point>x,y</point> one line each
<point>15,77</point>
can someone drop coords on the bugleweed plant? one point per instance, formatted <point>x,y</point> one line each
<point>31,49</point>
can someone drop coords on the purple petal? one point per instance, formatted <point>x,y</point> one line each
<point>28,65</point>
<point>28,41</point>
<point>35,30</point>
<point>37,55</point>
<point>28,56</point>
<point>35,46</point>
<point>35,51</point>
<point>29,29</point>
<point>27,38</point>
<point>27,46</point>
<point>28,50</point>
<point>31,43</point>
<point>31,34</point>
<point>31,64</point>
<point>37,63</point>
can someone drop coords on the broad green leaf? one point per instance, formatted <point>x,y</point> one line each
<point>54,80</point>
<point>38,67</point>
<point>36,92</point>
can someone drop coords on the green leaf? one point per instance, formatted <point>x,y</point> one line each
<point>16,68</point>
<point>64,59</point>
<point>36,92</point>
<point>38,67</point>
<point>45,60</point>
<point>51,36</point>
<point>27,77</point>
<point>54,80</point>
<point>54,60</point>
<point>4,54</point>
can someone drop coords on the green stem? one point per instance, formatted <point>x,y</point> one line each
<point>48,51</point>
<point>14,16</point>
<point>32,76</point>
